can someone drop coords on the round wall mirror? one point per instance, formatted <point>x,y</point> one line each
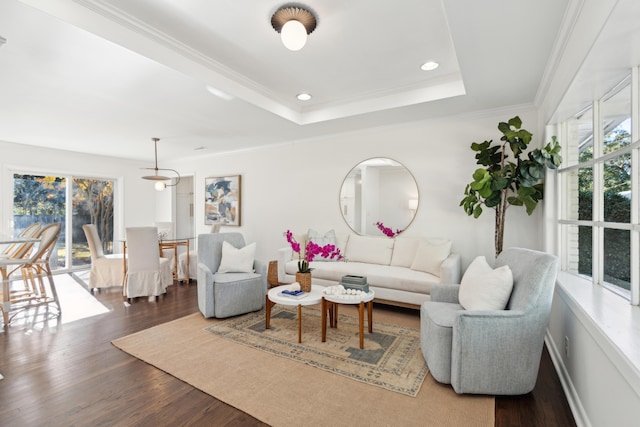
<point>379,197</point>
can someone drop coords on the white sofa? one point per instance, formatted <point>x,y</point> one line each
<point>400,270</point>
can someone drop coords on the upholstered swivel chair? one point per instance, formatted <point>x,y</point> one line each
<point>106,270</point>
<point>491,352</point>
<point>147,273</point>
<point>227,294</point>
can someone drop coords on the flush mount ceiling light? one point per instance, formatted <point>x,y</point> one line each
<point>429,66</point>
<point>303,96</point>
<point>160,184</point>
<point>294,24</point>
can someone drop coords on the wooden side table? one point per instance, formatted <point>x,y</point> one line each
<point>274,297</point>
<point>330,305</point>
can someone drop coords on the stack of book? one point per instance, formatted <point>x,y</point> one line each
<point>355,282</point>
<point>293,294</point>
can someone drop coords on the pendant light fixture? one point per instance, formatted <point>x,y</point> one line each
<point>293,23</point>
<point>160,184</point>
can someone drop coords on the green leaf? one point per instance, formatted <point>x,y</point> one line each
<point>499,184</point>
<point>515,122</point>
<point>479,147</point>
<point>536,171</point>
<point>480,175</point>
<point>552,153</point>
<point>493,200</point>
<point>525,136</point>
<point>477,211</point>
<point>525,194</point>
<point>488,156</point>
<point>514,201</point>
<point>485,191</point>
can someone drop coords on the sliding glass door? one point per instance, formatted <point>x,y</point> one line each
<point>44,199</point>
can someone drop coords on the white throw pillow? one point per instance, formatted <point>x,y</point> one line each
<point>430,255</point>
<point>404,251</point>
<point>373,250</point>
<point>237,260</point>
<point>328,238</point>
<point>485,288</point>
<point>341,242</point>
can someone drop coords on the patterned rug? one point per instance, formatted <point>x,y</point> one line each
<point>391,357</point>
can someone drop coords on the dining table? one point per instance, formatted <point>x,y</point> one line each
<point>169,244</point>
<point>174,244</point>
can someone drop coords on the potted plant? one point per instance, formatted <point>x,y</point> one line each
<point>303,276</point>
<point>505,181</point>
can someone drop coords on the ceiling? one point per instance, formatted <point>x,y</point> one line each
<point>105,76</point>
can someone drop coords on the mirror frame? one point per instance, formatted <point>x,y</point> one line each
<point>358,219</point>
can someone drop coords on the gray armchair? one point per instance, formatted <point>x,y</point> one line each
<point>491,352</point>
<point>227,294</point>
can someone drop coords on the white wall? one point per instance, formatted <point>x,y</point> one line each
<point>601,379</point>
<point>296,186</point>
<point>135,198</point>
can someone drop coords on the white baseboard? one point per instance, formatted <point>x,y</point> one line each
<point>579,414</point>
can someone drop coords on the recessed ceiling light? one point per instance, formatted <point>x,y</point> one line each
<point>429,66</point>
<point>303,96</point>
<point>220,94</point>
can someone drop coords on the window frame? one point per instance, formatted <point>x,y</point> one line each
<point>69,177</point>
<point>597,222</point>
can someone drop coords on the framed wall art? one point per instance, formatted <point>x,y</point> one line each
<point>222,200</point>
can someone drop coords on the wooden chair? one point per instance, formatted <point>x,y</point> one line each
<point>20,250</point>
<point>33,269</point>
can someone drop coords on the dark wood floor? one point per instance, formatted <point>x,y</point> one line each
<point>69,374</point>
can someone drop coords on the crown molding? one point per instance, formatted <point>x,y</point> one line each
<point>569,21</point>
<point>112,23</point>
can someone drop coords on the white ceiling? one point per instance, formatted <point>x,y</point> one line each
<point>104,76</point>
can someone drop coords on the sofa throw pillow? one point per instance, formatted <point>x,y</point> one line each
<point>372,250</point>
<point>341,242</point>
<point>237,260</point>
<point>404,251</point>
<point>485,288</point>
<point>328,238</point>
<point>430,255</point>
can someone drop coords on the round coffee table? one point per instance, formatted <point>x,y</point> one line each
<point>330,304</point>
<point>274,297</point>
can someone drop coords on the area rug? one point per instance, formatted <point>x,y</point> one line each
<point>282,392</point>
<point>391,357</point>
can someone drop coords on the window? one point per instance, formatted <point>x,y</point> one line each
<point>597,223</point>
<point>42,198</point>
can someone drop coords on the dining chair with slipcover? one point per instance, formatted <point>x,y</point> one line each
<point>484,350</point>
<point>230,280</point>
<point>193,258</point>
<point>106,270</point>
<point>147,274</point>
